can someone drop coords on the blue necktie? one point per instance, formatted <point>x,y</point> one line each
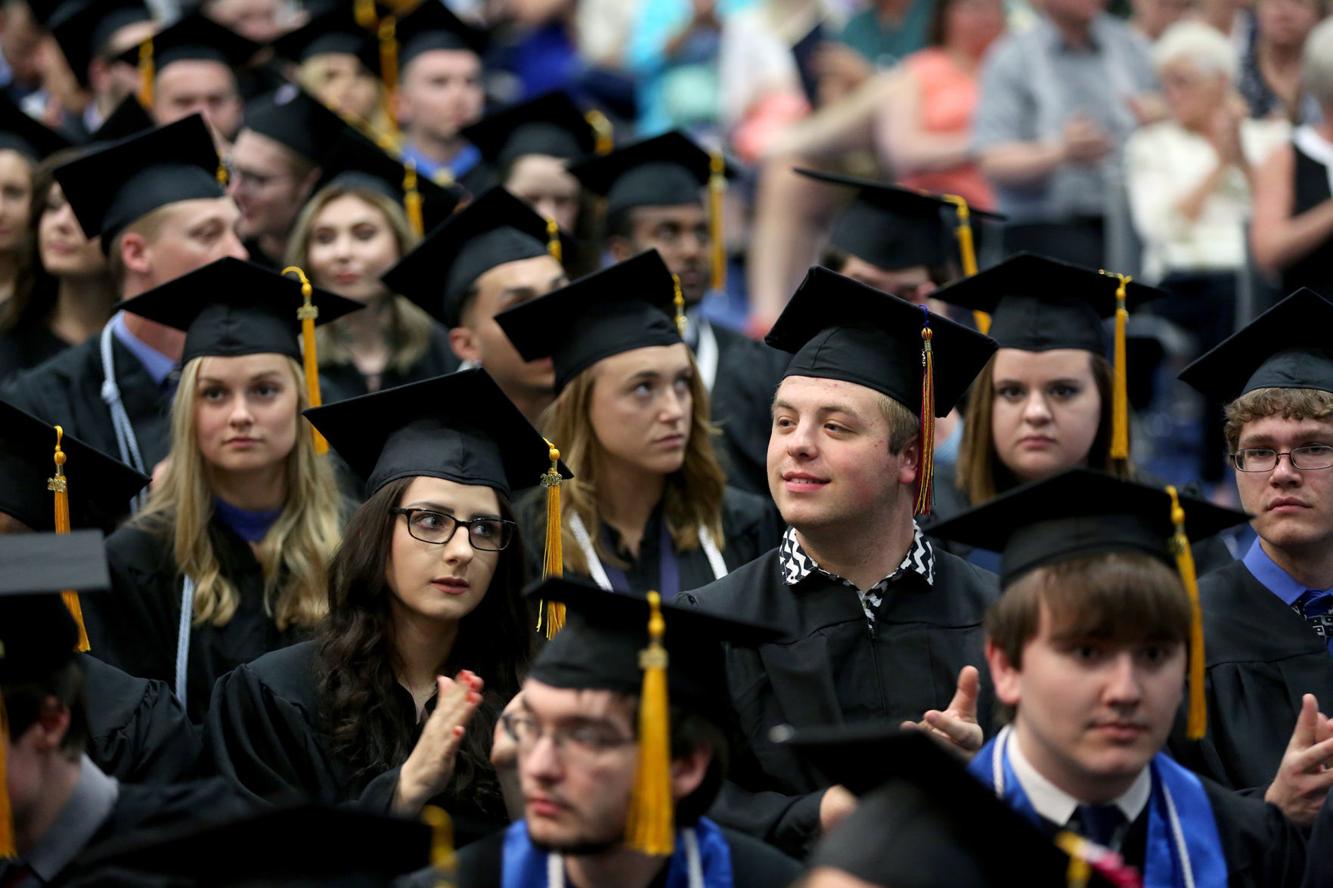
<point>1315,607</point>
<point>1099,823</point>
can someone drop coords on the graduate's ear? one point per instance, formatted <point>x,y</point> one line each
<point>464,344</point>
<point>688,771</point>
<point>52,723</point>
<point>620,248</point>
<point>909,463</point>
<point>135,253</point>
<point>1004,674</point>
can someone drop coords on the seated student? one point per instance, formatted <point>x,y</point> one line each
<point>24,143</point>
<point>62,805</point>
<point>615,797</point>
<point>881,625</point>
<point>490,256</point>
<point>1265,615</point>
<point>649,507</point>
<point>137,730</point>
<point>1088,649</point>
<point>338,62</point>
<point>425,586</point>
<point>362,219</point>
<point>227,560</point>
<point>91,36</point>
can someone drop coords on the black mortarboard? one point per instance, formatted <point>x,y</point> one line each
<point>84,28</point>
<point>125,181</point>
<point>37,633</point>
<point>1038,304</point>
<point>892,227</point>
<point>292,117</point>
<point>99,488</point>
<point>926,821</point>
<point>231,307</point>
<point>550,124</point>
<point>433,26</point>
<point>129,118</point>
<point>629,305</point>
<point>460,427</point>
<point>357,162</point>
<point>494,229</point>
<point>839,328</point>
<point>21,133</point>
<point>193,37</point>
<point>1287,346</point>
<point>333,30</point>
<point>666,170</point>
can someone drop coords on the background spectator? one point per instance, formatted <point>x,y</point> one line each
<point>1270,77</point>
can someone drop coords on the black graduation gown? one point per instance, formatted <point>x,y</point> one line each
<point>265,733</point>
<point>137,625</point>
<point>832,668</point>
<point>1260,657</point>
<point>753,864</point>
<point>26,346</point>
<point>741,402</point>
<point>1319,851</point>
<point>342,381</point>
<point>259,257</point>
<point>138,729</point>
<point>68,390</point>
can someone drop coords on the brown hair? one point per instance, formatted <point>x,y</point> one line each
<point>1295,404</point>
<point>693,496</point>
<point>147,226</point>
<point>982,476</point>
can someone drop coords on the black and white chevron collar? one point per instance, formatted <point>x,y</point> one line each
<point>797,565</point>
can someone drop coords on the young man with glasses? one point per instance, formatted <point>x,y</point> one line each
<point>1268,617</point>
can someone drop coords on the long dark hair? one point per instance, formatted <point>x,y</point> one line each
<point>357,658</point>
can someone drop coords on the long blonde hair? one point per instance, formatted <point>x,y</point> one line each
<point>407,328</point>
<point>693,495</point>
<point>294,554</point>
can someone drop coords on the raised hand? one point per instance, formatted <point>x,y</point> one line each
<point>1303,777</point>
<point>956,727</point>
<point>430,766</point>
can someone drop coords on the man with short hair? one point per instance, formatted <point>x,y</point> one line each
<point>92,35</point>
<point>879,624</point>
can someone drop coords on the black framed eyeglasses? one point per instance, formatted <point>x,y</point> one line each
<point>1309,457</point>
<point>438,528</point>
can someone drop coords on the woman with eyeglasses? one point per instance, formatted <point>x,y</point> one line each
<point>394,702</point>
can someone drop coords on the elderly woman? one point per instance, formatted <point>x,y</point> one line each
<point>1189,180</point>
<point>1292,229</point>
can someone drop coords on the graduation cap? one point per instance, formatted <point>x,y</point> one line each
<point>1079,513</point>
<point>494,229</point>
<point>839,328</point>
<point>924,821</point>
<point>129,118</point>
<point>84,28</point>
<point>125,181</point>
<point>357,162</point>
<point>340,29</point>
<point>432,26</point>
<point>297,120</point>
<point>23,134</point>
<point>193,37</point>
<point>1039,304</point>
<point>665,171</point>
<point>632,304</point>
<point>663,654</point>
<point>1285,347</point>
<point>551,124</point>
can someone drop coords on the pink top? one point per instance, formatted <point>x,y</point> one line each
<point>948,102</point>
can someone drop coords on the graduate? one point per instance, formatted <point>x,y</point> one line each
<point>649,507</point>
<point>337,61</point>
<point>630,699</point>
<point>879,624</point>
<point>227,560</point>
<point>654,192</point>
<point>1089,648</point>
<point>60,805</point>
<point>1266,614</point>
<point>137,729</point>
<point>367,212</point>
<point>155,202</point>
<point>91,34</point>
<point>493,254</point>
<point>395,700</point>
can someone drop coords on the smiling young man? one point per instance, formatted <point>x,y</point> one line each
<point>1088,648</point>
<point>1266,616</point>
<point>879,623</point>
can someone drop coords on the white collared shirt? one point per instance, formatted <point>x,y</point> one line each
<point>1058,806</point>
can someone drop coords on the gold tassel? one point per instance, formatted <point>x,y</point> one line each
<point>1079,870</point>
<point>650,827</point>
<point>366,15</point>
<point>679,302</point>
<point>147,73</point>
<point>968,250</point>
<point>1197,723</point>
<point>412,199</point>
<point>553,240</point>
<point>442,856</point>
<point>59,486</point>
<point>388,38</point>
<point>604,133</point>
<point>717,187</point>
<point>551,614</point>
<point>308,313</point>
<point>926,475</point>
<point>7,847</point>
<point>1120,384</point>
<point>221,173</point>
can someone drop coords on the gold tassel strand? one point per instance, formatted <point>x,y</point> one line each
<point>926,474</point>
<point>1197,722</point>
<point>308,313</point>
<point>59,486</point>
<point>717,189</point>
<point>412,204</point>
<point>388,39</point>
<point>7,847</point>
<point>679,302</point>
<point>968,251</point>
<point>650,826</point>
<point>1120,384</point>
<point>604,133</point>
<point>147,73</point>
<point>366,15</point>
<point>551,614</point>
<point>553,240</point>
<point>443,859</point>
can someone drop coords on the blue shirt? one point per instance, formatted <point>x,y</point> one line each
<point>460,166</point>
<point>158,365</point>
<point>1274,578</point>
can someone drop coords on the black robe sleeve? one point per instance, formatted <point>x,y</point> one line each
<point>741,404</point>
<point>755,864</point>
<point>1319,851</point>
<point>1262,848</point>
<point>138,729</point>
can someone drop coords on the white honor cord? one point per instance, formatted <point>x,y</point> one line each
<point>694,868</point>
<point>1178,837</point>
<point>183,637</point>
<point>706,355</point>
<point>127,443</point>
<point>598,573</point>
